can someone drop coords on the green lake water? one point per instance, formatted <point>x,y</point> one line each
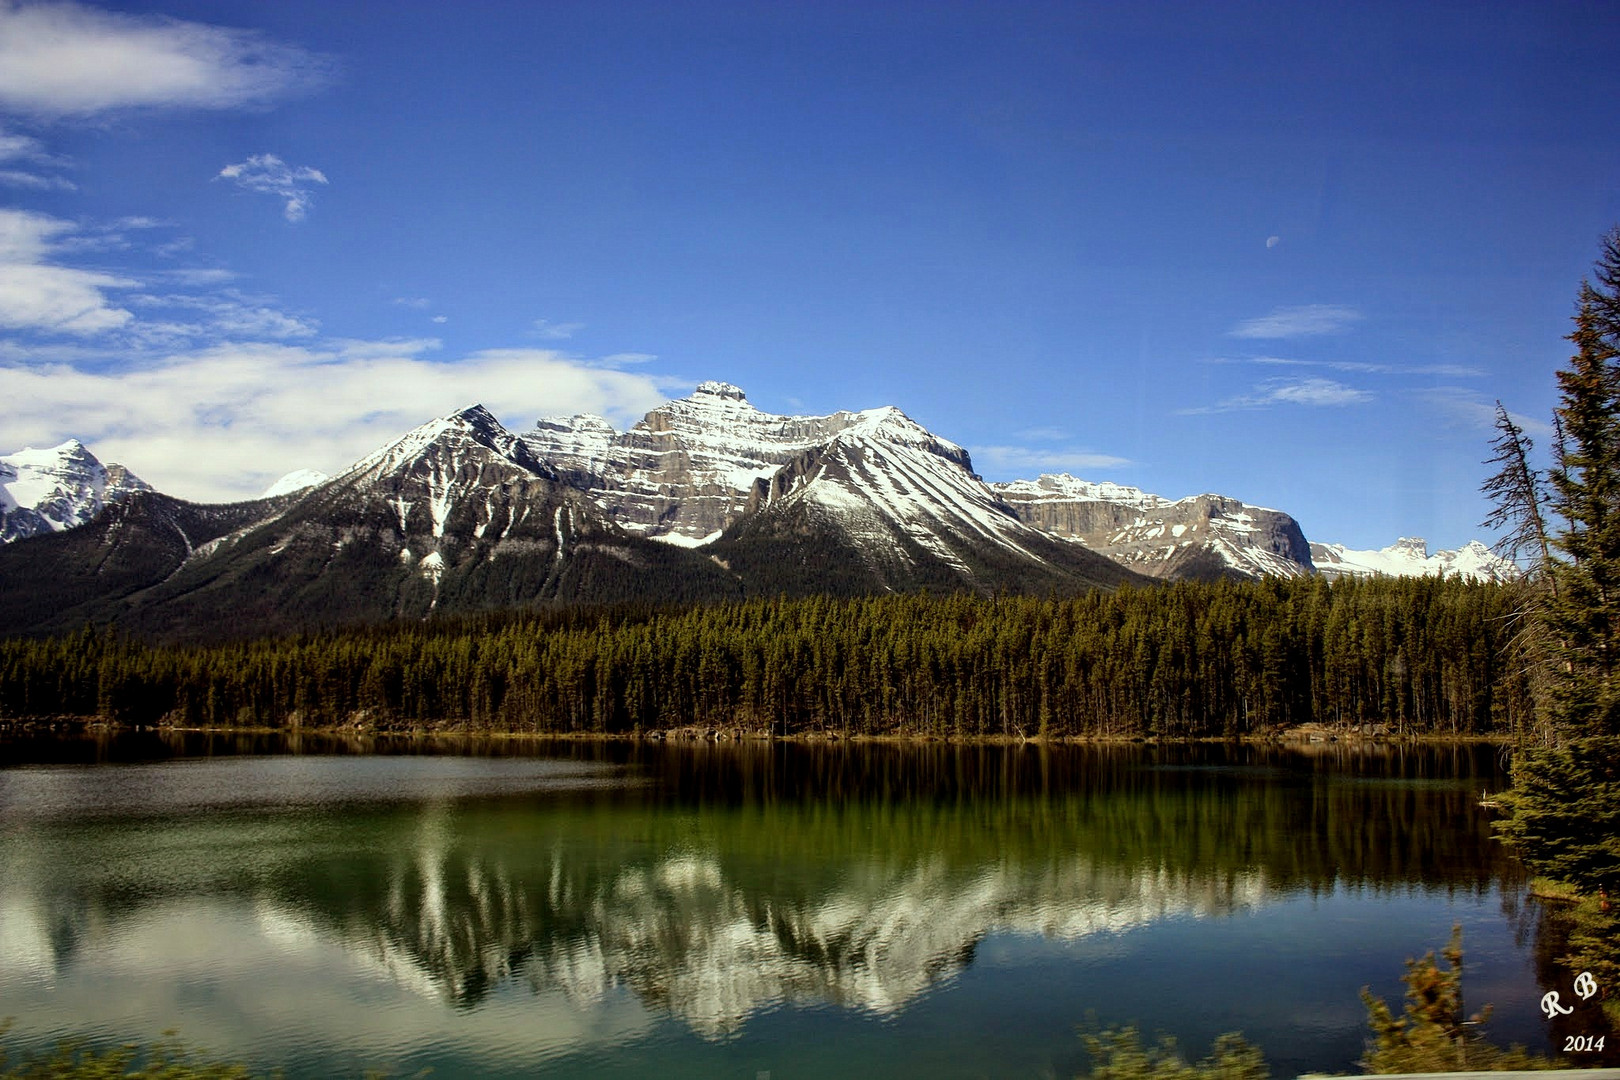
<point>511,908</point>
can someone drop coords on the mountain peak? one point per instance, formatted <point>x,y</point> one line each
<point>56,488</point>
<point>476,415</point>
<point>712,388</point>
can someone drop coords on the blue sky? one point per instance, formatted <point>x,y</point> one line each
<point>1286,254</point>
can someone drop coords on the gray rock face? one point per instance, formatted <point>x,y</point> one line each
<point>1200,536</point>
<point>685,471</point>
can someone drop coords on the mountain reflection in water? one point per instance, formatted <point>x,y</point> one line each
<point>715,883</point>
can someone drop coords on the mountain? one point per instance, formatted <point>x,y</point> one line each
<point>850,502</point>
<point>57,488</point>
<point>1203,536</point>
<point>704,499</point>
<point>1409,557</point>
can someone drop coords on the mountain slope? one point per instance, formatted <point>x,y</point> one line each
<point>885,505</point>
<point>60,581</point>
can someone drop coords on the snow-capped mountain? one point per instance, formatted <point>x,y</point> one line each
<point>901,504</point>
<point>1409,557</point>
<point>688,468</point>
<point>57,488</point>
<point>1199,536</point>
<point>297,480</point>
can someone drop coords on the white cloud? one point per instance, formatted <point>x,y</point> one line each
<point>223,422</point>
<point>1307,320</point>
<point>441,318</point>
<point>267,174</point>
<point>557,331</point>
<point>1320,393</point>
<point>38,295</point>
<point>1023,461</point>
<point>66,59</point>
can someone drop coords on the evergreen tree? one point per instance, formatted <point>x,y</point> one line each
<point>1584,614</point>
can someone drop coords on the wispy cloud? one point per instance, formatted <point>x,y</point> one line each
<point>1468,408</point>
<point>35,182</point>
<point>228,314</point>
<point>1450,371</point>
<point>40,175</point>
<point>1308,320</point>
<point>1023,461</point>
<point>1042,434</point>
<point>39,294</point>
<point>67,59</point>
<point>267,174</point>
<point>223,422</point>
<point>551,331</point>
<point>1318,393</point>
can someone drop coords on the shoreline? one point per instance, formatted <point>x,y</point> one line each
<point>698,734</point>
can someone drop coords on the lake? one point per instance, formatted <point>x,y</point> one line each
<point>759,909</point>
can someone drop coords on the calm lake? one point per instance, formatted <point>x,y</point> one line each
<point>502,907</point>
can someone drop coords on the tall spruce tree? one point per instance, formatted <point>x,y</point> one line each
<point>1584,615</point>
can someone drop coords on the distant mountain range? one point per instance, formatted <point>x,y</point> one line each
<point>705,498</point>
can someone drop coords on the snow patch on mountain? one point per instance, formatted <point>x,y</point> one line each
<point>298,480</point>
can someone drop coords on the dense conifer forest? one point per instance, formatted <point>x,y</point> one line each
<point>1411,656</point>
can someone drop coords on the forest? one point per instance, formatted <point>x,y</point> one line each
<point>1192,660</point>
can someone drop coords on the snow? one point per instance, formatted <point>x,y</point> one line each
<point>297,480</point>
<point>677,540</point>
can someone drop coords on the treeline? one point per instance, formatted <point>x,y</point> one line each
<point>1421,656</point>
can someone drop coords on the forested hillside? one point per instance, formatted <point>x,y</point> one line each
<point>1413,656</point>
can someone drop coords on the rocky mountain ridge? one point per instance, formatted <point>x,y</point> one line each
<point>705,498</point>
<point>1203,536</point>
